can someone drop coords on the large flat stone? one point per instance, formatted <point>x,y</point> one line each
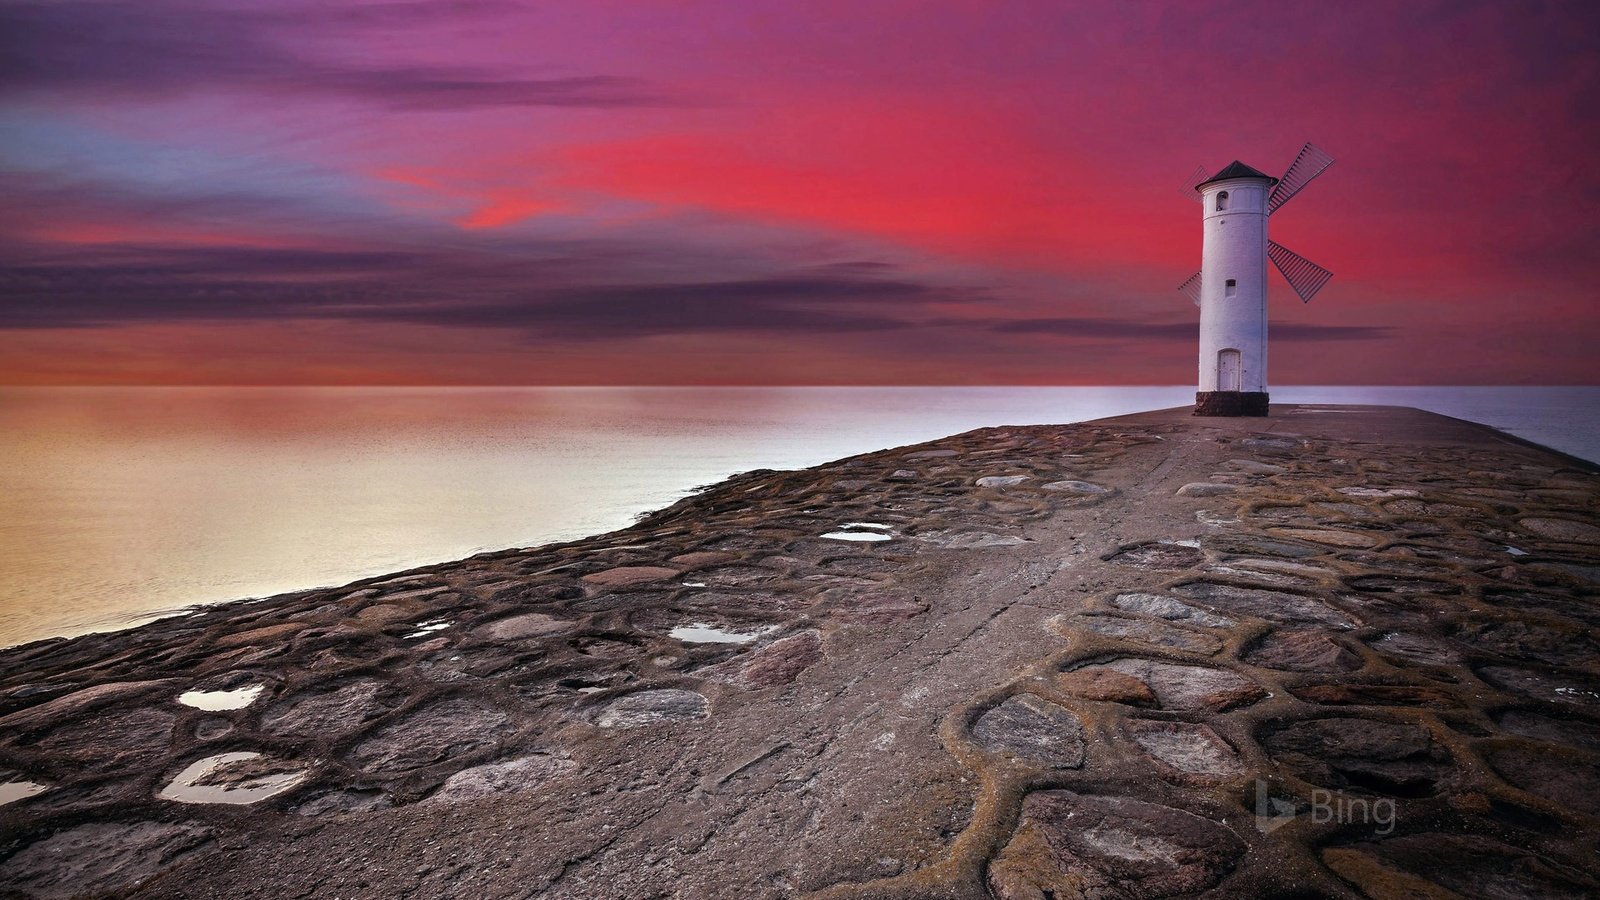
<point>1034,729</point>
<point>1333,537</point>
<point>527,625</point>
<point>623,576</point>
<point>654,707</point>
<point>511,776</point>
<point>778,663</point>
<point>1401,695</point>
<point>1562,529</point>
<point>1170,609</point>
<point>1391,758</point>
<point>967,540</point>
<point>103,857</point>
<point>114,740</point>
<point>432,735</point>
<point>1205,489</point>
<point>1191,749</point>
<point>1543,685</point>
<point>1187,688</point>
<point>1159,555</point>
<point>1444,866</point>
<point>341,710</point>
<point>1097,683</point>
<point>1274,606</point>
<point>1572,781</point>
<point>1085,488</point>
<point>1301,650</point>
<point>1572,732</point>
<point>1144,631</point>
<point>1077,845</point>
<point>1415,647</point>
<point>74,705</point>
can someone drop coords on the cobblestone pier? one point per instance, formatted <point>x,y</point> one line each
<point>1340,651</point>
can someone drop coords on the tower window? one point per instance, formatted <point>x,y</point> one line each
<point>1222,201</point>
<point>1230,288</point>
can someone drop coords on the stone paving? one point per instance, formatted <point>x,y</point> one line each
<point>1342,652</point>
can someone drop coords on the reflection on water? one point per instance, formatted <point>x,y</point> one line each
<point>195,783</point>
<point>863,536</point>
<point>869,532</point>
<point>12,791</point>
<point>426,628</point>
<point>118,504</point>
<point>702,633</point>
<point>218,701</point>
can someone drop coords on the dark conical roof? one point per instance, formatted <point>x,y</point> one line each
<point>1236,169</point>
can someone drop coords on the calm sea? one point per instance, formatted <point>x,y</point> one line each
<point>118,505</point>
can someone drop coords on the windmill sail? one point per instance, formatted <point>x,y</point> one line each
<point>1192,288</point>
<point>1310,163</point>
<point>1305,276</point>
<point>1200,174</point>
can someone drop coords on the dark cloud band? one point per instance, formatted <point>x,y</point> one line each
<point>120,286</point>
<point>156,47</point>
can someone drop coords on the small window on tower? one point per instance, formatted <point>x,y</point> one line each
<point>1231,288</point>
<point>1222,201</point>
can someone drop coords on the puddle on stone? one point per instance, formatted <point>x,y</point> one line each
<point>426,628</point>
<point>13,791</point>
<point>246,788</point>
<point>696,584</point>
<point>219,701</point>
<point>858,536</point>
<point>594,685</point>
<point>703,633</point>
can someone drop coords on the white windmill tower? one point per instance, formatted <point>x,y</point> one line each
<point>1231,286</point>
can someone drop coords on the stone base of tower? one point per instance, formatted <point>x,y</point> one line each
<point>1230,403</point>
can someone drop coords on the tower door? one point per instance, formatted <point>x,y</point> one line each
<point>1228,370</point>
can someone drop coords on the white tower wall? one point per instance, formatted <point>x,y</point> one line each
<point>1234,319</point>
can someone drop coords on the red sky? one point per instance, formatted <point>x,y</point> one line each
<point>775,192</point>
